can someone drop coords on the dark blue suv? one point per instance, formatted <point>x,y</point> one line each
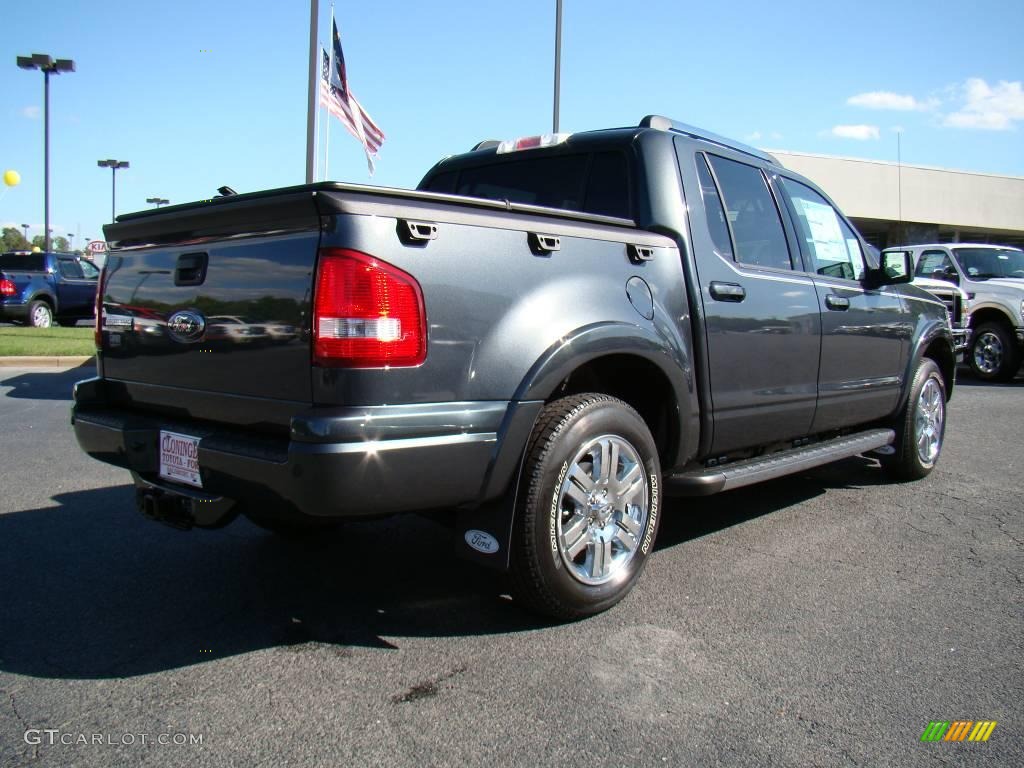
<point>42,289</point>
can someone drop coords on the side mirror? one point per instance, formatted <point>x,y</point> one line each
<point>896,268</point>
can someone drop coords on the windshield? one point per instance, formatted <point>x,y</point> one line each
<point>983,263</point>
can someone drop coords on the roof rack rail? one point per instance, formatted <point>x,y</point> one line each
<point>667,124</point>
<point>486,144</point>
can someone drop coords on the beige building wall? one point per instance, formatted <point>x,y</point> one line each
<point>954,200</point>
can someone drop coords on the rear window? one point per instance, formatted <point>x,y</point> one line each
<point>23,262</point>
<point>597,183</point>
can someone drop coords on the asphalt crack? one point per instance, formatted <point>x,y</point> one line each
<point>24,723</point>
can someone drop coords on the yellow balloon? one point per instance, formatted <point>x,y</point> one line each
<point>36,249</point>
<point>12,178</point>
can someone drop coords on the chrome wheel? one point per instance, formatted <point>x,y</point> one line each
<point>603,505</point>
<point>41,316</point>
<point>928,421</point>
<point>988,353</point>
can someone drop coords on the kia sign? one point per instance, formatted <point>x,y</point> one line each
<point>97,246</point>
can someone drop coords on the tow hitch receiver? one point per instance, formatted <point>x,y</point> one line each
<point>182,510</point>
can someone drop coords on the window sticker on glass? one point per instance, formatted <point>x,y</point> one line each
<point>823,227</point>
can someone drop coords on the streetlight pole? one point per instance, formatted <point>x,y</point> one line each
<point>25,227</point>
<point>113,165</point>
<point>158,201</point>
<point>71,241</point>
<point>558,61</point>
<point>48,65</point>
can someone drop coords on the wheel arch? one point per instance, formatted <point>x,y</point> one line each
<point>44,296</point>
<point>936,343</point>
<point>990,313</point>
<point>632,364</point>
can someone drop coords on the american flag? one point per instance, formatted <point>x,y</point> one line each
<point>341,102</point>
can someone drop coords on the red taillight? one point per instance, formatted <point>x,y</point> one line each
<point>367,313</point>
<point>98,309</point>
<point>7,288</point>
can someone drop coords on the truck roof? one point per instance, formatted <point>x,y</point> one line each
<point>583,139</point>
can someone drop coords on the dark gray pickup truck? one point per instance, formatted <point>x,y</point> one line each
<point>545,340</point>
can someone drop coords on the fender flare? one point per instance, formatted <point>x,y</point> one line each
<point>935,329</point>
<point>993,306</point>
<point>601,339</point>
<point>43,296</point>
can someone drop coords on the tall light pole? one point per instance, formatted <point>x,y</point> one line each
<point>25,227</point>
<point>113,165</point>
<point>314,73</point>
<point>158,201</point>
<point>49,66</point>
<point>71,241</point>
<point>558,61</point>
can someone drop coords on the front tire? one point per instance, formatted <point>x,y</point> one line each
<point>921,428</point>
<point>588,507</point>
<point>993,355</point>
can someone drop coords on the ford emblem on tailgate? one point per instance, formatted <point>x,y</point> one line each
<point>186,326</point>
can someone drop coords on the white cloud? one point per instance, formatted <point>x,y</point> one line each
<point>755,136</point>
<point>775,136</point>
<point>988,107</point>
<point>858,132</point>
<point>890,100</point>
<point>32,113</point>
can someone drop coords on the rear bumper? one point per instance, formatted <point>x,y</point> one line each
<point>353,462</point>
<point>13,311</point>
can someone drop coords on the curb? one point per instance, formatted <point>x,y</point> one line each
<point>45,362</point>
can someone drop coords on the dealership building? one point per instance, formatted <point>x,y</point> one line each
<point>899,204</point>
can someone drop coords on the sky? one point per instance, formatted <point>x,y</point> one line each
<point>196,95</point>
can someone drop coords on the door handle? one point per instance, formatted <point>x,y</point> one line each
<point>837,303</point>
<point>191,269</point>
<point>727,291</point>
<point>543,244</point>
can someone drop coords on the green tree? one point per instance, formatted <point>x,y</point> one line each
<point>13,240</point>
<point>58,243</point>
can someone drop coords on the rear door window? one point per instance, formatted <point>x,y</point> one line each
<point>757,231</point>
<point>718,224</point>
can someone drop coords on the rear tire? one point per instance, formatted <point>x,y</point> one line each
<point>993,354</point>
<point>588,507</point>
<point>921,428</point>
<point>40,315</point>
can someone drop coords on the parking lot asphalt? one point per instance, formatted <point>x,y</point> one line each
<point>822,619</point>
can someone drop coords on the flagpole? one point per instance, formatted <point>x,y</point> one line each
<point>327,133</point>
<point>314,67</point>
<point>327,148</point>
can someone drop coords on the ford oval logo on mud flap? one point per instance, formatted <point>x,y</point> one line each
<point>186,326</point>
<point>482,542</point>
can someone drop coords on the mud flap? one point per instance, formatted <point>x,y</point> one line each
<point>483,535</point>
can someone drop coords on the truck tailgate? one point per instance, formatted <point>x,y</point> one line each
<point>211,299</point>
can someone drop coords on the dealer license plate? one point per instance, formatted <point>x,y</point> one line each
<point>179,458</point>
